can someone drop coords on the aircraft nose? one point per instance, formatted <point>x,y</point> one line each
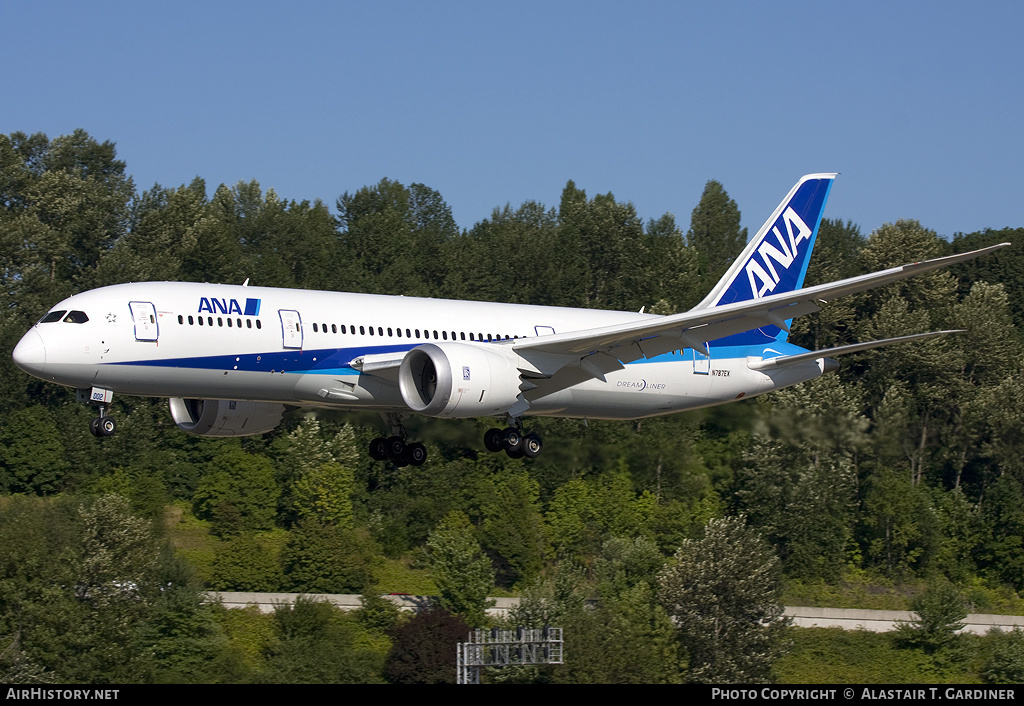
<point>30,353</point>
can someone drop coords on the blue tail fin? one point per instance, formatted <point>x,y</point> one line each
<point>776,259</point>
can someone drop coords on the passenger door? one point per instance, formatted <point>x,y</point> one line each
<point>291,328</point>
<point>144,316</point>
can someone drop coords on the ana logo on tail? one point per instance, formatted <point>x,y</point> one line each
<point>764,277</point>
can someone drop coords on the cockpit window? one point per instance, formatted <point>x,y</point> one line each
<point>53,316</point>
<point>76,317</point>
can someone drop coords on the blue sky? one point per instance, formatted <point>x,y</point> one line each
<point>919,105</point>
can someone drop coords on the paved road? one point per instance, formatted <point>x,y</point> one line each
<point>850,619</point>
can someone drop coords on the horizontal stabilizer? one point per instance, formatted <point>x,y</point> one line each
<point>781,361</point>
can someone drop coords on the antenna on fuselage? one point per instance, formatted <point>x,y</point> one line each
<point>246,282</point>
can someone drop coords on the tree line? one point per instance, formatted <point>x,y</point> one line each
<point>903,466</point>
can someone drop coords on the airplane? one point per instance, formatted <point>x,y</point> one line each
<point>232,358</point>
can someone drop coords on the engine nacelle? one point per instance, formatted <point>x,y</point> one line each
<point>459,380</point>
<point>225,417</point>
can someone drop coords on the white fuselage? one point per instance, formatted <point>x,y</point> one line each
<point>214,341</point>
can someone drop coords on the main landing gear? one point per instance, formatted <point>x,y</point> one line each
<point>101,425</point>
<point>513,442</point>
<point>394,448</point>
<point>399,451</point>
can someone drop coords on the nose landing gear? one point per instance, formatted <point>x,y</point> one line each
<point>101,425</point>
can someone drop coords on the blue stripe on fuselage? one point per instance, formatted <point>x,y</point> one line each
<point>335,361</point>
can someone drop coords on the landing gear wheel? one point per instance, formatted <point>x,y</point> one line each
<point>416,454</point>
<point>395,448</point>
<point>102,426</point>
<point>513,439</point>
<point>379,449</point>
<point>532,445</point>
<point>494,440</point>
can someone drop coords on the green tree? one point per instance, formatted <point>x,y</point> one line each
<point>940,613</point>
<point>627,562</point>
<point>723,593</point>
<point>524,246</point>
<point>242,563</point>
<point>1004,657</point>
<point>513,526</point>
<point>84,594</point>
<point>897,524</point>
<point>798,481</point>
<point>388,232</point>
<point>31,452</point>
<point>583,512</point>
<point>461,570</point>
<point>238,493</point>
<point>609,250</point>
<point>322,557</point>
<point>316,645</point>
<point>715,232</point>
<point>552,600</point>
<point>627,640</point>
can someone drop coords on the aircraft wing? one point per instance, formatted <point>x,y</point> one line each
<point>604,350</point>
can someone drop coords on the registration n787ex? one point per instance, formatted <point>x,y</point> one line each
<point>233,358</point>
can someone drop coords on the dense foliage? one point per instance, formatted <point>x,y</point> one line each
<point>905,466</point>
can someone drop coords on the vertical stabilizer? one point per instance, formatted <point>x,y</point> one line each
<point>776,259</point>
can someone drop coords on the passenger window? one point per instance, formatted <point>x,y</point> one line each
<point>259,324</point>
<point>191,321</point>
<point>248,323</point>
<point>229,323</point>
<point>181,319</point>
